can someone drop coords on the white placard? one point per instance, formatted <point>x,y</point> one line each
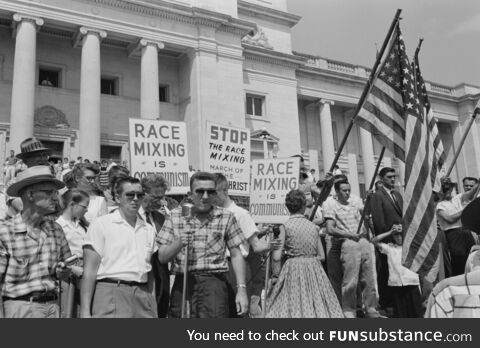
<point>272,179</point>
<point>160,147</point>
<point>228,152</point>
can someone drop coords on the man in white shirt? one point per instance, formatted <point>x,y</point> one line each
<point>250,231</point>
<point>117,258</point>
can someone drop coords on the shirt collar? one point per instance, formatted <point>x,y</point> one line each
<point>117,218</point>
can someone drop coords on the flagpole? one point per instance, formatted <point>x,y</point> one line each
<point>457,153</point>
<point>372,182</point>
<point>328,185</point>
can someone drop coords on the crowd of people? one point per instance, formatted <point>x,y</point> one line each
<point>86,239</point>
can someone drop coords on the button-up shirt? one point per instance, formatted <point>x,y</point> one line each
<point>398,275</point>
<point>28,256</point>
<point>210,239</point>
<point>125,251</point>
<point>75,234</point>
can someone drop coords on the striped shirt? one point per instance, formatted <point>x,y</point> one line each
<point>347,217</point>
<point>28,257</point>
<point>210,239</point>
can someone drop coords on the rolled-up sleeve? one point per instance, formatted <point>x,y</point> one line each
<point>95,237</point>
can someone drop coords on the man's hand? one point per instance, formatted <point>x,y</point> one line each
<point>241,300</point>
<point>275,244</point>
<point>185,238</point>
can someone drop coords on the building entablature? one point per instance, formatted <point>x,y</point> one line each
<point>272,15</point>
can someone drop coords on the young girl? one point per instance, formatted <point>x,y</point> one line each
<point>403,282</point>
<point>75,205</point>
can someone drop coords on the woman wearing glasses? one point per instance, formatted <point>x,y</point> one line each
<point>84,178</point>
<point>75,204</point>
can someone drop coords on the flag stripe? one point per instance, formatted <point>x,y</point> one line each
<point>397,144</point>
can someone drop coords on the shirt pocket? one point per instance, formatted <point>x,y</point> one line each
<point>215,243</point>
<point>20,267</point>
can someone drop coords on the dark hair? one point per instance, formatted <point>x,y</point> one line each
<point>339,177</point>
<point>199,176</point>
<point>154,180</point>
<point>73,195</point>
<point>121,181</point>
<point>114,175</point>
<point>384,171</point>
<point>295,201</point>
<point>339,183</point>
<point>77,171</point>
<point>377,184</point>
<point>469,178</point>
<point>220,179</point>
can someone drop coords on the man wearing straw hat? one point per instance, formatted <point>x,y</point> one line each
<point>31,248</point>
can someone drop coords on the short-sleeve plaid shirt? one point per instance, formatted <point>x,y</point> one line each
<point>207,251</point>
<point>347,217</point>
<point>27,258</point>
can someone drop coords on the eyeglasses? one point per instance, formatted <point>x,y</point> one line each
<point>83,206</point>
<point>131,195</point>
<point>90,178</point>
<point>201,192</point>
<point>156,198</point>
<point>47,192</point>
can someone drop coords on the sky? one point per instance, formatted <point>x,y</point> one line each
<point>347,30</point>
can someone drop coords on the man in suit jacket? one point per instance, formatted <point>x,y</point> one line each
<point>386,209</point>
<point>153,211</point>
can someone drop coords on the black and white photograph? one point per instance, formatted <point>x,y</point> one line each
<point>248,159</point>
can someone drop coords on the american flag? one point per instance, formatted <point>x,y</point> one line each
<point>424,158</point>
<point>396,114</point>
<point>382,113</point>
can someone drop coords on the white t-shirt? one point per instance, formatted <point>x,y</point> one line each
<point>125,251</point>
<point>246,223</point>
<point>398,275</point>
<point>75,235</point>
<point>450,207</point>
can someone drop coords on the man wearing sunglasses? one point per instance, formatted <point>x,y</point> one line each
<point>31,248</point>
<point>211,230</point>
<point>116,256</point>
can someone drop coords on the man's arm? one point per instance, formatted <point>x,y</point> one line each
<point>91,262</point>
<point>339,233</point>
<point>450,218</point>
<point>2,314</point>
<point>167,253</point>
<point>239,266</point>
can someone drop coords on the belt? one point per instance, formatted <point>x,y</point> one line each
<point>36,296</point>
<point>120,282</point>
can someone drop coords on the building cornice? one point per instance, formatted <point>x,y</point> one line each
<point>272,57</point>
<point>272,15</point>
<point>182,13</point>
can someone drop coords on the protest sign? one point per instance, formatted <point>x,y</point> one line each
<point>272,179</point>
<point>228,152</point>
<point>160,147</point>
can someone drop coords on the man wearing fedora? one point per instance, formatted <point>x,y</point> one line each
<point>33,153</point>
<point>31,248</point>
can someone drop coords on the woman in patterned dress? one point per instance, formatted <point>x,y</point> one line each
<point>302,289</point>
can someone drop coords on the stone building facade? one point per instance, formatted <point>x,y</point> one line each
<point>72,72</point>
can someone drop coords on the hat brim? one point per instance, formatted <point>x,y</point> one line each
<point>14,189</point>
<point>22,155</point>
<point>471,217</point>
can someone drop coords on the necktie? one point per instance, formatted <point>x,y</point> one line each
<point>392,192</point>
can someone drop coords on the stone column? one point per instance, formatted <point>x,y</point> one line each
<point>367,155</point>
<point>149,94</point>
<point>328,146</point>
<point>90,126</point>
<point>23,85</point>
